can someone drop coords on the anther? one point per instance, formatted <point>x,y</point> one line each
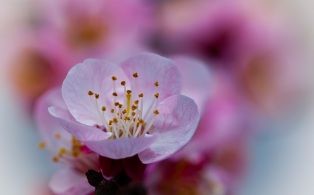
<point>103,108</point>
<point>55,159</point>
<point>112,110</point>
<point>156,112</point>
<point>96,95</point>
<point>128,91</point>
<point>115,94</point>
<point>141,95</point>
<point>136,102</point>
<point>135,75</point>
<point>123,83</point>
<point>42,145</point>
<point>116,103</point>
<point>90,93</point>
<point>114,78</point>
<point>156,95</point>
<point>156,84</point>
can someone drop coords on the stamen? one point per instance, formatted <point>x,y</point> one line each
<point>42,145</point>
<point>90,93</point>
<point>55,159</point>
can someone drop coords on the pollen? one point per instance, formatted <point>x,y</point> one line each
<point>129,114</point>
<point>90,93</point>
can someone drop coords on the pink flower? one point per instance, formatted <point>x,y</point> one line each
<point>36,65</point>
<point>134,108</point>
<point>94,28</point>
<point>70,153</point>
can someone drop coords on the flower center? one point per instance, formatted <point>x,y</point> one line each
<point>126,115</point>
<point>88,32</point>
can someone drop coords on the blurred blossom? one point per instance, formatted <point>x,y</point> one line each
<point>218,172</point>
<point>241,38</point>
<point>74,158</point>
<point>38,64</point>
<point>64,33</point>
<point>95,28</point>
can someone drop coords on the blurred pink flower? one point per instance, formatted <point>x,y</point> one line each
<point>66,149</point>
<point>217,173</point>
<point>123,110</point>
<point>94,28</point>
<point>223,118</point>
<point>253,45</point>
<point>37,65</point>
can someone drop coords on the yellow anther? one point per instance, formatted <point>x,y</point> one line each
<point>103,108</point>
<point>42,145</point>
<point>62,151</point>
<point>75,153</point>
<point>90,93</point>
<point>135,75</point>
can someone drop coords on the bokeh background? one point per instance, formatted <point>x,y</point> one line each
<point>281,157</point>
